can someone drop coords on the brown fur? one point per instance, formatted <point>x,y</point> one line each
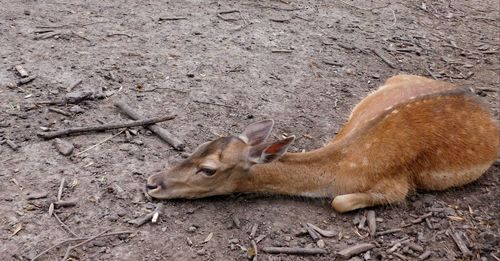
<point>412,133</point>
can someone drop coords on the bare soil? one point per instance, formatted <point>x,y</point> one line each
<point>303,63</point>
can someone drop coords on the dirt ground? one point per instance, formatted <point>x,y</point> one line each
<point>303,63</point>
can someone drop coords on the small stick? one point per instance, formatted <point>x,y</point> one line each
<point>64,226</point>
<point>63,132</point>
<point>372,223</point>
<point>68,250</point>
<point>381,56</point>
<point>146,218</point>
<point>56,110</point>
<point>421,218</point>
<point>64,241</point>
<point>429,224</point>
<point>171,18</point>
<point>260,238</point>
<point>394,248</point>
<point>457,237</point>
<point>354,250</point>
<point>236,221</point>
<point>431,74</point>
<point>22,72</point>
<point>294,250</point>
<point>314,235</point>
<point>73,85</point>
<point>12,145</point>
<point>162,133</point>
<point>26,80</point>
<point>425,255</point>
<point>219,14</point>
<point>99,143</point>
<point>389,231</point>
<point>281,51</point>
<point>65,203</point>
<point>37,195</point>
<point>400,256</point>
<point>213,103</point>
<point>60,191</point>
<point>254,230</point>
<point>325,233</point>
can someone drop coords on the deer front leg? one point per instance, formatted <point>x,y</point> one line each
<point>386,193</point>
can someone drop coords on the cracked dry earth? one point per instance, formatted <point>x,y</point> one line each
<point>303,63</point>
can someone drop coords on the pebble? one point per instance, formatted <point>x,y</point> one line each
<point>321,243</point>
<point>191,229</point>
<point>113,217</point>
<point>201,252</point>
<point>64,147</point>
<point>234,240</point>
<point>78,96</point>
<point>76,109</point>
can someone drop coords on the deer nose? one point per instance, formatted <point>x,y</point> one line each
<point>151,186</point>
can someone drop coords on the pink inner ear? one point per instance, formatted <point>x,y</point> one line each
<point>275,148</point>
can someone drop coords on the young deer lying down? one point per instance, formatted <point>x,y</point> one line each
<point>412,133</point>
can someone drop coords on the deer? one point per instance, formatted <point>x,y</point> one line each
<point>412,133</point>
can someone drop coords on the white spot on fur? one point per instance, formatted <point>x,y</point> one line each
<point>365,161</point>
<point>412,97</point>
<point>394,111</point>
<point>352,165</point>
<point>388,108</point>
<point>368,145</point>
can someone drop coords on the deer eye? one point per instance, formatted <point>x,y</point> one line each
<point>207,171</point>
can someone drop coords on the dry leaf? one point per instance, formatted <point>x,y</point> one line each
<point>17,229</point>
<point>208,237</point>
<point>456,218</point>
<point>51,209</point>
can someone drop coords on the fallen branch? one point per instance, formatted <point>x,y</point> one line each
<point>63,132</point>
<point>294,250</point>
<point>64,241</point>
<point>161,132</point>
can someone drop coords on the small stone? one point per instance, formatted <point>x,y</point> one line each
<point>234,240</point>
<point>191,229</point>
<point>201,252</point>
<point>349,71</point>
<point>288,238</point>
<point>450,212</point>
<point>76,109</point>
<point>375,76</point>
<point>78,96</point>
<point>98,243</point>
<point>64,147</point>
<point>321,243</point>
<point>113,217</point>
<point>121,212</point>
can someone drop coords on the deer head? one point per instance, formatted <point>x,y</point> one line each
<point>218,167</point>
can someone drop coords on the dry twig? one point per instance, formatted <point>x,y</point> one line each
<point>63,132</point>
<point>64,241</point>
<point>294,250</point>
<point>162,133</point>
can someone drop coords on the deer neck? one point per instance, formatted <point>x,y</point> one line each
<point>303,174</point>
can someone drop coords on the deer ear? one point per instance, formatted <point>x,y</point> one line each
<point>257,133</point>
<point>261,154</point>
